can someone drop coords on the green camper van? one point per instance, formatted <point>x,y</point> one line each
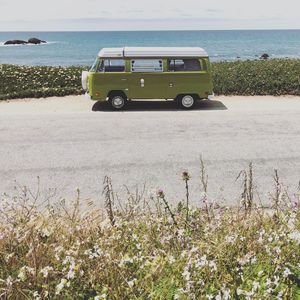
<point>120,75</point>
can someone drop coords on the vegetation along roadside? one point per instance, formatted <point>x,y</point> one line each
<point>258,77</point>
<point>143,247</point>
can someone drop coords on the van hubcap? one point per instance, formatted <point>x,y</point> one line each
<point>187,101</point>
<point>118,102</point>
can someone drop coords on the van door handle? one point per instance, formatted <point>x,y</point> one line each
<point>123,79</point>
<point>142,82</point>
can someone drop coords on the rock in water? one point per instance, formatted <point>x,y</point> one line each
<point>15,42</point>
<point>265,56</point>
<point>35,41</point>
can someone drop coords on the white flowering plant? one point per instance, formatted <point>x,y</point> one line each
<point>77,252</point>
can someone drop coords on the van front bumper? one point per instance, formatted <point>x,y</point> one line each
<point>87,96</point>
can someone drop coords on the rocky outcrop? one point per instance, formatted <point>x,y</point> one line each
<point>15,42</point>
<point>35,41</point>
<point>265,56</point>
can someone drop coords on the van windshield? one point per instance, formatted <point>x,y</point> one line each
<point>94,66</point>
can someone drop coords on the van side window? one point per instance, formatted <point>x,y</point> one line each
<point>184,65</point>
<point>146,65</point>
<point>112,65</point>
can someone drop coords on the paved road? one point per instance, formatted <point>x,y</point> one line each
<point>70,143</point>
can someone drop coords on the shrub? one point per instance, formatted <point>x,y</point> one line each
<point>260,77</point>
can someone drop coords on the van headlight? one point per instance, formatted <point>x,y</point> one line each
<point>84,79</point>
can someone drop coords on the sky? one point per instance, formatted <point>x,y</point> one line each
<point>76,15</point>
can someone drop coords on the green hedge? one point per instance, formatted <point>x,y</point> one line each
<point>270,77</point>
<point>36,82</point>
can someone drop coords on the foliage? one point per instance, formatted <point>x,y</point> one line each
<point>36,82</point>
<point>260,77</point>
<point>148,250</point>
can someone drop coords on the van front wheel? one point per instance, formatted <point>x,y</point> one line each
<point>117,102</point>
<point>187,101</point>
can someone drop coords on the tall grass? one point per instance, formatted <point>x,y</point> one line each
<point>270,77</point>
<point>148,248</point>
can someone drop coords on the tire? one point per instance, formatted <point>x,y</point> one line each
<point>187,101</point>
<point>117,102</point>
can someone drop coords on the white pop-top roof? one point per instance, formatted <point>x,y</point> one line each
<point>153,52</point>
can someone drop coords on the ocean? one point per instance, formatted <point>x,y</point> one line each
<point>81,48</point>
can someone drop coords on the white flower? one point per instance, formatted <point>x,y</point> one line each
<point>132,282</point>
<point>239,292</point>
<point>201,262</point>
<point>60,286</point>
<point>24,271</point>
<point>212,265</point>
<point>9,256</point>
<point>9,281</point>
<point>268,281</point>
<point>171,259</point>
<point>36,295</point>
<point>45,232</point>
<point>101,297</point>
<point>295,235</point>
<point>71,273</point>
<point>230,239</point>
<point>46,270</point>
<point>269,290</point>
<point>22,274</point>
<point>287,272</point>
<point>260,273</point>
<point>186,274</point>
<point>218,297</point>
<point>255,285</point>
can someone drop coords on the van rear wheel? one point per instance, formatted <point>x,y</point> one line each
<point>187,101</point>
<point>117,102</point>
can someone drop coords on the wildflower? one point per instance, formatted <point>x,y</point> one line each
<point>295,235</point>
<point>260,273</point>
<point>212,265</point>
<point>132,282</point>
<point>230,239</point>
<point>9,256</point>
<point>45,271</point>
<point>186,176</point>
<point>287,272</point>
<point>160,194</point>
<point>101,297</point>
<point>268,281</point>
<point>36,295</point>
<point>23,272</point>
<point>9,281</point>
<point>71,273</point>
<point>171,259</point>
<point>45,232</point>
<point>60,286</point>
<point>201,262</point>
<point>239,292</point>
<point>255,285</point>
<point>186,274</point>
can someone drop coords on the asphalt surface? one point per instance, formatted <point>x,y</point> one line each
<point>70,143</point>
